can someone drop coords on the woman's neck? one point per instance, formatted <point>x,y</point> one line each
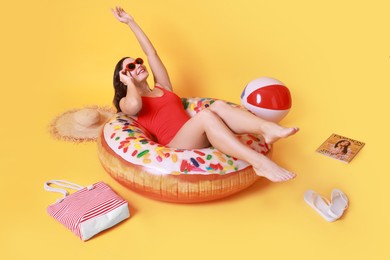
<point>143,88</point>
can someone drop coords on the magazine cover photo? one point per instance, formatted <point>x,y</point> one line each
<point>340,148</point>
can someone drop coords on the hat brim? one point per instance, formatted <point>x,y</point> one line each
<point>64,127</point>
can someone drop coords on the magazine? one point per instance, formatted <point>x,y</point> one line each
<point>340,147</point>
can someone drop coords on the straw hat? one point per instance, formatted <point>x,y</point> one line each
<point>80,125</point>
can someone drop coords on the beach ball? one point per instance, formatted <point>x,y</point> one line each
<point>267,98</point>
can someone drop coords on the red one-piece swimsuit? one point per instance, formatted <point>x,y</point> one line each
<point>163,116</point>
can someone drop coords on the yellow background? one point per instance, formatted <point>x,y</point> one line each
<point>333,55</point>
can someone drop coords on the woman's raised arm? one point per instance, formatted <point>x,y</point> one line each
<point>159,71</point>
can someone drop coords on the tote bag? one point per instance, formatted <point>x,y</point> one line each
<point>89,210</point>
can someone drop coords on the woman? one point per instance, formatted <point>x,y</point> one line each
<point>161,112</point>
<point>341,149</point>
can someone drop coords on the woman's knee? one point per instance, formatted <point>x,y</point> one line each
<point>209,118</point>
<point>207,114</point>
<point>219,106</point>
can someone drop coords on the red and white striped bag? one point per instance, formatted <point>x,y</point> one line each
<point>89,210</point>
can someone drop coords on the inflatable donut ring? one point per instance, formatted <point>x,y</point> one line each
<point>130,155</point>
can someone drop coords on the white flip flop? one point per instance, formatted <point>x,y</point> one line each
<point>339,203</point>
<point>320,204</point>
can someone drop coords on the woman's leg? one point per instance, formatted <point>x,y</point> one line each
<point>207,127</point>
<point>241,121</point>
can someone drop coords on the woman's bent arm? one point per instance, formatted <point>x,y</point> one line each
<point>131,104</point>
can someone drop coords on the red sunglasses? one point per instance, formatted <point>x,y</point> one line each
<point>131,66</point>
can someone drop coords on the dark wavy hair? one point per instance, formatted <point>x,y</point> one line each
<point>345,148</point>
<point>119,88</point>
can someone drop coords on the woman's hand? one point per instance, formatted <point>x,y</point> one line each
<point>125,77</point>
<point>121,15</point>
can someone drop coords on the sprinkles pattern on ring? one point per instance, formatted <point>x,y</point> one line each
<point>132,142</point>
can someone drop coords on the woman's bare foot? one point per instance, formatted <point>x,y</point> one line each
<point>273,132</point>
<point>273,172</point>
